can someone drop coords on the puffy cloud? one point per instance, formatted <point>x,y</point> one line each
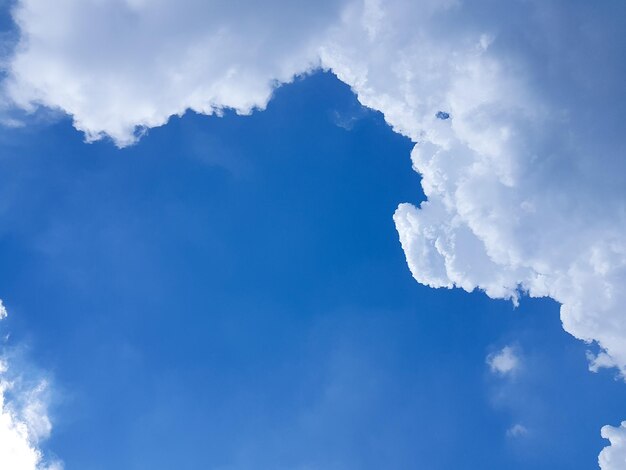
<point>123,65</point>
<point>525,179</point>
<point>613,457</point>
<point>24,422</point>
<point>504,362</point>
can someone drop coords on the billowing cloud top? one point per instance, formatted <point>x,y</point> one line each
<point>525,176</point>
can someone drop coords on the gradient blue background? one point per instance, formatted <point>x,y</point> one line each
<point>230,293</point>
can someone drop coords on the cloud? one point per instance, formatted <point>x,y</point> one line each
<point>24,421</point>
<point>122,66</point>
<point>613,457</point>
<point>517,430</point>
<point>504,362</point>
<point>525,179</point>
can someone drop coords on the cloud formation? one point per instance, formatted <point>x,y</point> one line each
<point>525,178</point>
<point>121,66</point>
<point>613,457</point>
<point>504,362</point>
<point>24,421</point>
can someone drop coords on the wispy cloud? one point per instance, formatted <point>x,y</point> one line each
<point>517,430</point>
<point>24,420</point>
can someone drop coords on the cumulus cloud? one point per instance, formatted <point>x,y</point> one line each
<point>124,65</point>
<point>24,421</point>
<point>504,362</point>
<point>525,178</point>
<point>613,457</point>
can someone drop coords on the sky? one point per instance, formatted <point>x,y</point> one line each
<point>213,218</point>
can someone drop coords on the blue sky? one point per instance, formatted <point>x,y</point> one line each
<point>240,236</point>
<point>204,300</point>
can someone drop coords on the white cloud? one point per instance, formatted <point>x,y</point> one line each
<point>613,457</point>
<point>504,362</point>
<point>526,181</point>
<point>24,422</point>
<point>123,65</point>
